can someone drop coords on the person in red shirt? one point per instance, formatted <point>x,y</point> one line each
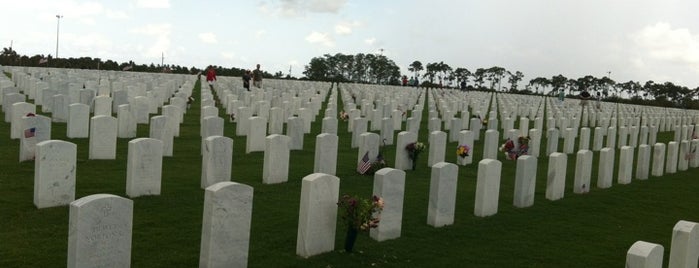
<point>211,77</point>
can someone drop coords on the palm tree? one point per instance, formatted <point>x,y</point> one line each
<point>416,67</point>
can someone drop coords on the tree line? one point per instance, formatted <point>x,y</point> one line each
<point>379,69</point>
<point>10,57</point>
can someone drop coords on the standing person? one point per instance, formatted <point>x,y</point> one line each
<point>411,82</point>
<point>405,80</point>
<point>463,84</point>
<point>584,97</point>
<point>246,80</point>
<point>417,82</point>
<point>211,76</point>
<point>561,96</point>
<point>257,77</point>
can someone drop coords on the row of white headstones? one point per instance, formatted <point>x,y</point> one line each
<point>487,189</point>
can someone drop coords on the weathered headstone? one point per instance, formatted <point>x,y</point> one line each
<point>160,129</point>
<point>255,141</point>
<point>583,171</point>
<point>216,160</point>
<point>276,159</point>
<point>325,160</point>
<point>389,184</point>
<point>294,129</point>
<point>436,148</point>
<point>329,125</point>
<point>225,235</point>
<point>99,231</point>
<point>317,214</point>
<point>403,161</point>
<point>442,204</point>
<point>78,121</point>
<point>54,173</point>
<point>144,167</point>
<point>126,122</point>
<point>103,130</point>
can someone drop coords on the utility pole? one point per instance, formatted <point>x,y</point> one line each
<point>58,26</point>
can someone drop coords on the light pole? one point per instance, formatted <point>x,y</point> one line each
<point>58,25</point>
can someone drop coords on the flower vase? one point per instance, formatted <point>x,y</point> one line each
<point>414,158</point>
<point>350,239</point>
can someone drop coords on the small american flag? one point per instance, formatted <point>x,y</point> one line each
<point>30,132</point>
<point>126,68</point>
<point>364,165</point>
<point>43,60</point>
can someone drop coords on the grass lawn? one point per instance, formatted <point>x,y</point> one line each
<point>590,230</point>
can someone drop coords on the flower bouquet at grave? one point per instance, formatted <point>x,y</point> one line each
<point>463,150</point>
<point>414,149</point>
<point>344,116</point>
<point>359,214</point>
<point>513,152</point>
<point>232,116</point>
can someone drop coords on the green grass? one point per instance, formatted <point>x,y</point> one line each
<point>591,230</point>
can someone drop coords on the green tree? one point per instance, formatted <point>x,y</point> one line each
<point>416,67</point>
<point>514,79</point>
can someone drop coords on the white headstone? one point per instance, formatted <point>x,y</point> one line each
<point>317,214</point>
<point>225,235</point>
<point>403,161</point>
<point>644,255</point>
<point>625,165</point>
<point>551,141</point>
<point>276,159</point>
<point>255,141</point>
<point>525,181</point>
<point>437,147</point>
<point>556,178</point>
<point>54,173</point>
<point>161,129</point>
<point>144,167</point>
<point>329,125</point>
<point>103,130</point>
<point>389,184</point>
<point>487,188</point>
<point>605,173</point>
<point>78,121</point>
<point>671,160</point>
<point>583,171</point>
<point>325,160</point>
<point>658,160</point>
<point>442,204</point>
<point>643,162</point>
<point>99,232</point>
<point>216,160</point>
<point>294,129</point>
<point>126,122</point>
<point>490,146</point>
<point>684,251</point>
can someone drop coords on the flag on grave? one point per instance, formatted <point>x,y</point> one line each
<point>30,132</point>
<point>364,165</point>
<point>43,60</point>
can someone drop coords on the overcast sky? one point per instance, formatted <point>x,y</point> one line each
<point>633,39</point>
